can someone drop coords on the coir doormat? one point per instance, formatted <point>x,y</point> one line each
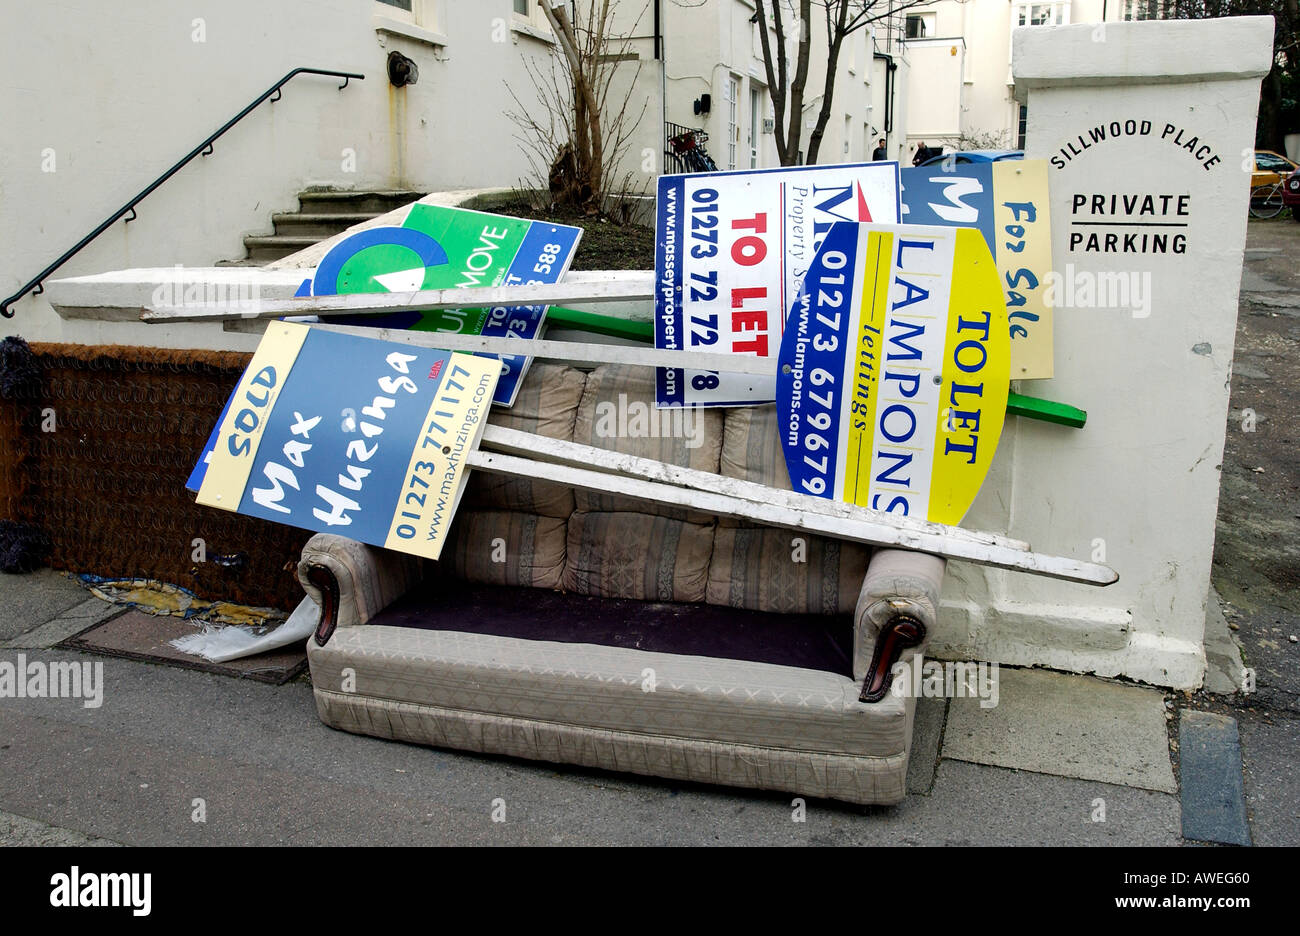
<point>136,635</point>
<point>96,443</point>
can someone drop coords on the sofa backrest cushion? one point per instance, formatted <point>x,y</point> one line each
<point>769,569</point>
<point>618,413</point>
<point>516,531</point>
<point>786,571</point>
<point>505,547</point>
<point>751,447</point>
<point>547,404</point>
<point>628,554</point>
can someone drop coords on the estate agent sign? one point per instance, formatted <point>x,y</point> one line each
<point>732,249</point>
<point>440,248</point>
<point>1008,202</point>
<point>343,434</point>
<point>892,379</point>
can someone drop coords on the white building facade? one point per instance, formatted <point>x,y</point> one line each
<point>702,66</point>
<point>960,57</point>
<point>101,99</point>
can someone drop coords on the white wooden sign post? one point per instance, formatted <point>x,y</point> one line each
<point>538,457</point>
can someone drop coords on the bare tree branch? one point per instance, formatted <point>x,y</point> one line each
<point>576,146</point>
<point>842,18</point>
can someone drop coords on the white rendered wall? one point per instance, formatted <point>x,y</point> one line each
<point>120,91</point>
<point>988,104</point>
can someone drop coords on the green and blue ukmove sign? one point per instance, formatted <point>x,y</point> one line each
<point>437,247</point>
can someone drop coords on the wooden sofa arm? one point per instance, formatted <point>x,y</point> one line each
<point>898,606</point>
<point>352,582</point>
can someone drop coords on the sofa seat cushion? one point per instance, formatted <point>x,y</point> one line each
<point>850,778</point>
<point>807,641</point>
<point>608,689</point>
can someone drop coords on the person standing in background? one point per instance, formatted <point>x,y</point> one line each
<point>922,154</point>
<point>880,152</point>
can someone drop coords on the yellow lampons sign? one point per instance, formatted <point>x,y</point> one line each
<point>894,370</point>
<point>350,435</point>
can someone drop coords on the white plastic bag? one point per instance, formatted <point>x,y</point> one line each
<point>220,644</point>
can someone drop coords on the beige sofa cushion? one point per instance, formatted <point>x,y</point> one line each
<point>505,547</point>
<point>765,569</point>
<point>634,555</point>
<point>604,688</point>
<point>547,404</point>
<point>618,413</point>
<point>751,447</point>
<point>751,451</point>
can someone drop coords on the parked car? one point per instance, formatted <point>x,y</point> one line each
<point>976,156</point>
<point>1291,194</point>
<point>1269,167</point>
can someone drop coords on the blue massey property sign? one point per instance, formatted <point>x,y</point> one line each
<point>731,252</point>
<point>350,435</point>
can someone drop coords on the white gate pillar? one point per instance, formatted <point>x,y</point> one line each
<point>1148,126</point>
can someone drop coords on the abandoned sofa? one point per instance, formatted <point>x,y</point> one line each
<point>585,628</point>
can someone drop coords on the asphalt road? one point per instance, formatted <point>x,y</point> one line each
<point>1257,542</point>
<point>268,772</point>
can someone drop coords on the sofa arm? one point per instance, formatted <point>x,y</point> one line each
<point>897,607</point>
<point>352,582</point>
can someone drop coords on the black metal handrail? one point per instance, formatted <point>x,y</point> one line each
<point>205,148</point>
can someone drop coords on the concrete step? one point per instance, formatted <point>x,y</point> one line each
<point>266,248</point>
<point>318,225</point>
<point>332,201</point>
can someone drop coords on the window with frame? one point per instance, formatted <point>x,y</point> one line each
<point>528,13</point>
<point>1037,14</point>
<point>1147,9</point>
<point>731,94</point>
<point>420,13</point>
<point>1040,14</point>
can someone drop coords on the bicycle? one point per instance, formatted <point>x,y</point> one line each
<point>689,146</point>
<point>1266,200</point>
